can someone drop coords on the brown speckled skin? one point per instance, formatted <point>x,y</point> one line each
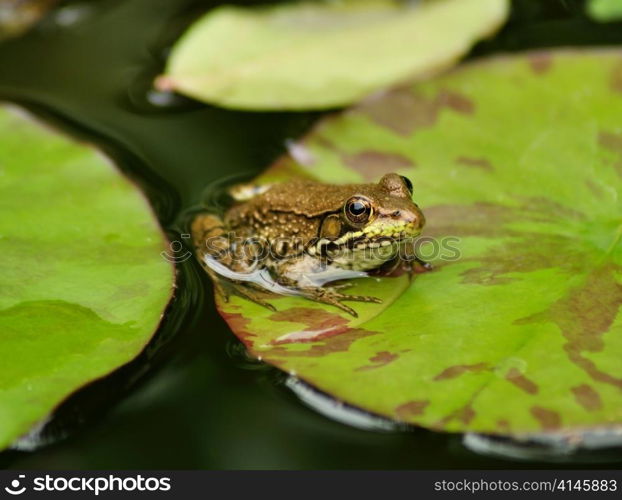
<point>306,226</point>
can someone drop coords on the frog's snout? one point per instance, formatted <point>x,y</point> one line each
<point>412,218</point>
<point>419,219</point>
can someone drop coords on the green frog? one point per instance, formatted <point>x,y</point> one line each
<point>301,236</point>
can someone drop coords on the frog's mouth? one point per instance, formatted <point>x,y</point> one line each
<point>383,236</point>
<point>387,240</point>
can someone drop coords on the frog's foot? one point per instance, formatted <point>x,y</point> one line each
<point>226,288</point>
<point>342,286</point>
<point>249,292</point>
<point>419,266</point>
<point>333,296</point>
<point>245,290</point>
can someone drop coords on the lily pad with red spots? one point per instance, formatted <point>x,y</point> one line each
<point>518,159</point>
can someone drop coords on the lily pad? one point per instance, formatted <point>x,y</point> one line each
<point>605,10</point>
<point>314,55</point>
<point>519,160</point>
<point>82,282</point>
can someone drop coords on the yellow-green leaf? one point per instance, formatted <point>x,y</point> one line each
<point>311,55</point>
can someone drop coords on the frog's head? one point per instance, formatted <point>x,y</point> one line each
<point>384,211</point>
<point>374,220</point>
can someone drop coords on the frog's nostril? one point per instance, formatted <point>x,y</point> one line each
<point>396,213</point>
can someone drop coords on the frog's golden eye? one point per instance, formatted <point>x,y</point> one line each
<point>408,183</point>
<point>358,210</point>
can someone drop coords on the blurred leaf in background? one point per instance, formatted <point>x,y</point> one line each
<point>605,10</point>
<point>322,55</point>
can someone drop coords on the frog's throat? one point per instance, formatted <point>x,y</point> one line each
<point>369,237</point>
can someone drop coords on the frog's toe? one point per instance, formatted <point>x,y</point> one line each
<point>342,286</point>
<point>334,297</point>
<point>224,289</point>
<point>253,296</point>
<point>341,306</point>
<point>362,298</point>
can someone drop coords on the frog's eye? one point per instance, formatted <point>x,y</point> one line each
<point>358,210</point>
<point>408,183</point>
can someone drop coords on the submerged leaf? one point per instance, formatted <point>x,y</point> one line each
<point>82,282</point>
<point>16,16</point>
<point>320,55</point>
<point>517,164</point>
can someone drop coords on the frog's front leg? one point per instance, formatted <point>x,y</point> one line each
<point>421,266</point>
<point>407,261</point>
<point>309,277</point>
<point>412,262</point>
<point>213,249</point>
<point>416,265</point>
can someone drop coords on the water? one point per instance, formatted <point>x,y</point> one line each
<point>194,399</point>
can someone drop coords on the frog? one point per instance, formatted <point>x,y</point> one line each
<point>306,238</point>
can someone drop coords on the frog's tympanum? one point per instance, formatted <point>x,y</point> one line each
<point>297,237</point>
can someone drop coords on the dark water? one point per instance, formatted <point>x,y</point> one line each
<point>193,400</point>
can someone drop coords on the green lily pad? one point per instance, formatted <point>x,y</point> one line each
<point>519,160</point>
<point>605,10</point>
<point>82,283</point>
<point>311,55</point>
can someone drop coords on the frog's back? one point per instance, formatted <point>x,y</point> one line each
<point>288,215</point>
<point>301,197</point>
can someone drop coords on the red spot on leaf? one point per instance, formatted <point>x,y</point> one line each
<point>587,397</point>
<point>411,409</point>
<point>549,419</point>
<point>457,370</point>
<point>379,360</point>
<point>466,414</point>
<point>515,377</point>
<point>481,163</point>
<point>615,80</point>
<point>457,102</point>
<point>325,333</point>
<point>503,425</point>
<point>374,164</point>
<point>404,111</point>
<point>613,143</point>
<point>319,324</point>
<point>584,315</point>
<point>540,62</point>
<point>239,326</point>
